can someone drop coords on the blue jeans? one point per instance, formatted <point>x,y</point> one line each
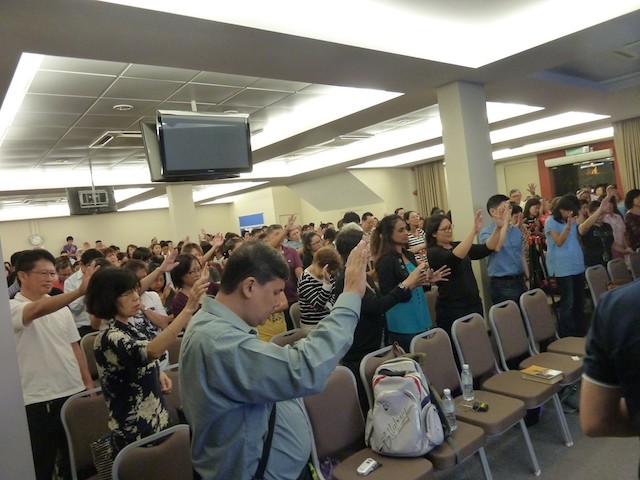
<point>571,305</point>
<point>507,288</point>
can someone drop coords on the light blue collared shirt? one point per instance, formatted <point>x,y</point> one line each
<point>229,380</point>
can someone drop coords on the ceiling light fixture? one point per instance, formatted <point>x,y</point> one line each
<point>123,107</point>
<point>25,72</point>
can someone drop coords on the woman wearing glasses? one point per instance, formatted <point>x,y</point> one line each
<point>127,360</point>
<point>184,276</point>
<point>459,296</point>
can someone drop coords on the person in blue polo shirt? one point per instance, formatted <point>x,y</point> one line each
<point>506,266</point>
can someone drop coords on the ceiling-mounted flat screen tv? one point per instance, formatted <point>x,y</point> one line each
<point>193,146</point>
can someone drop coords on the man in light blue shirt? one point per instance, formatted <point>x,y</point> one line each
<point>506,266</point>
<point>230,380</point>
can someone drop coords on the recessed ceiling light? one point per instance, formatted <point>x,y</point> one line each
<point>231,111</point>
<point>123,107</point>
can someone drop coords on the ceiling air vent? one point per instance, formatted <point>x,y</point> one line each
<point>118,139</point>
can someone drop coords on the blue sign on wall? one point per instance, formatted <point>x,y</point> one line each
<point>253,220</point>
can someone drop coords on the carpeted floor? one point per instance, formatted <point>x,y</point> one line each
<point>587,459</point>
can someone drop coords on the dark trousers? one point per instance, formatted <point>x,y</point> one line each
<point>447,314</point>
<point>571,305</point>
<point>48,438</point>
<point>507,288</point>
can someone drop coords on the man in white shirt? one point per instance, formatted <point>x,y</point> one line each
<point>80,315</point>
<point>52,365</point>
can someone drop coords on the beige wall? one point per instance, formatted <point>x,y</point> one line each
<point>517,174</point>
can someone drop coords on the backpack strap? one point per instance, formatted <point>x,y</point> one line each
<point>266,448</point>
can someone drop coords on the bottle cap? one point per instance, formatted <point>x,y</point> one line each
<point>465,366</point>
<point>447,391</point>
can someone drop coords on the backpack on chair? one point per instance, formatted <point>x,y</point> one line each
<point>403,421</point>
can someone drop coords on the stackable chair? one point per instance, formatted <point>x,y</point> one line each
<point>468,439</point>
<point>169,460</point>
<point>441,370</point>
<point>294,313</point>
<point>173,399</point>
<point>618,271</point>
<point>431,296</point>
<point>513,345</point>
<point>338,432</point>
<point>86,344</point>
<point>634,265</point>
<point>598,282</point>
<point>289,337</point>
<point>473,346</point>
<point>85,419</point>
<point>542,329</point>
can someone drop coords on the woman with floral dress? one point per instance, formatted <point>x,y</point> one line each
<point>127,361</point>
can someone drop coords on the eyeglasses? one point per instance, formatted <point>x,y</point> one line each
<point>46,273</point>
<point>448,228</point>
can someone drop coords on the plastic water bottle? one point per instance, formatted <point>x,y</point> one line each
<point>467,383</point>
<point>449,409</point>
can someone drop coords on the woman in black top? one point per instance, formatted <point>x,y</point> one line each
<point>597,241</point>
<point>459,296</point>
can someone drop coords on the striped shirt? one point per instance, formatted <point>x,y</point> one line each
<point>314,297</point>
<point>415,239</point>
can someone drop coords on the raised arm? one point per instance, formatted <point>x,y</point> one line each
<point>462,249</point>
<point>591,219</point>
<point>167,265</point>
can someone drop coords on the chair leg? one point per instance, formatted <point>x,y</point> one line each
<point>534,459</point>
<point>568,440</point>
<point>485,464</point>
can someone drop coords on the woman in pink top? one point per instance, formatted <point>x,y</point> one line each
<point>611,216</point>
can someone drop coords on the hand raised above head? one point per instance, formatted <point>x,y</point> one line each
<point>355,277</point>
<point>477,220</point>
<point>169,263</point>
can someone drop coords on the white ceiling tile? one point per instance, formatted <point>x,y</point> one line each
<point>23,119</point>
<point>63,83</point>
<point>142,89</point>
<point>29,133</point>
<point>107,121</point>
<point>13,143</point>
<point>67,64</point>
<point>104,106</point>
<point>204,93</point>
<point>225,79</point>
<point>282,85</point>
<point>257,98</point>
<point>160,73</point>
<point>225,107</point>
<point>34,102</point>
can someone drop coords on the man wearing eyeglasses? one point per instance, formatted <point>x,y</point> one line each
<point>52,365</point>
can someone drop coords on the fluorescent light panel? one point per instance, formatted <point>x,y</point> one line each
<point>426,29</point>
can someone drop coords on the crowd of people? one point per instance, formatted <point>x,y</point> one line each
<point>359,285</point>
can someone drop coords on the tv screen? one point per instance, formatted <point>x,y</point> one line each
<point>203,143</point>
<point>89,200</point>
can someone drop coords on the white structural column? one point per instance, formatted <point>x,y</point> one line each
<point>182,212</point>
<point>469,167</point>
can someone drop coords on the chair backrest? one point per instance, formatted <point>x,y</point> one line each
<point>173,399</point>
<point>509,332</point>
<point>368,366</point>
<point>174,351</point>
<point>538,316</point>
<point>294,313</point>
<point>87,343</point>
<point>634,265</point>
<point>473,345</point>
<point>618,271</point>
<point>85,419</point>
<point>440,365</point>
<point>169,460</point>
<point>289,337</point>
<point>431,296</point>
<point>597,279</point>
<point>335,415</point>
